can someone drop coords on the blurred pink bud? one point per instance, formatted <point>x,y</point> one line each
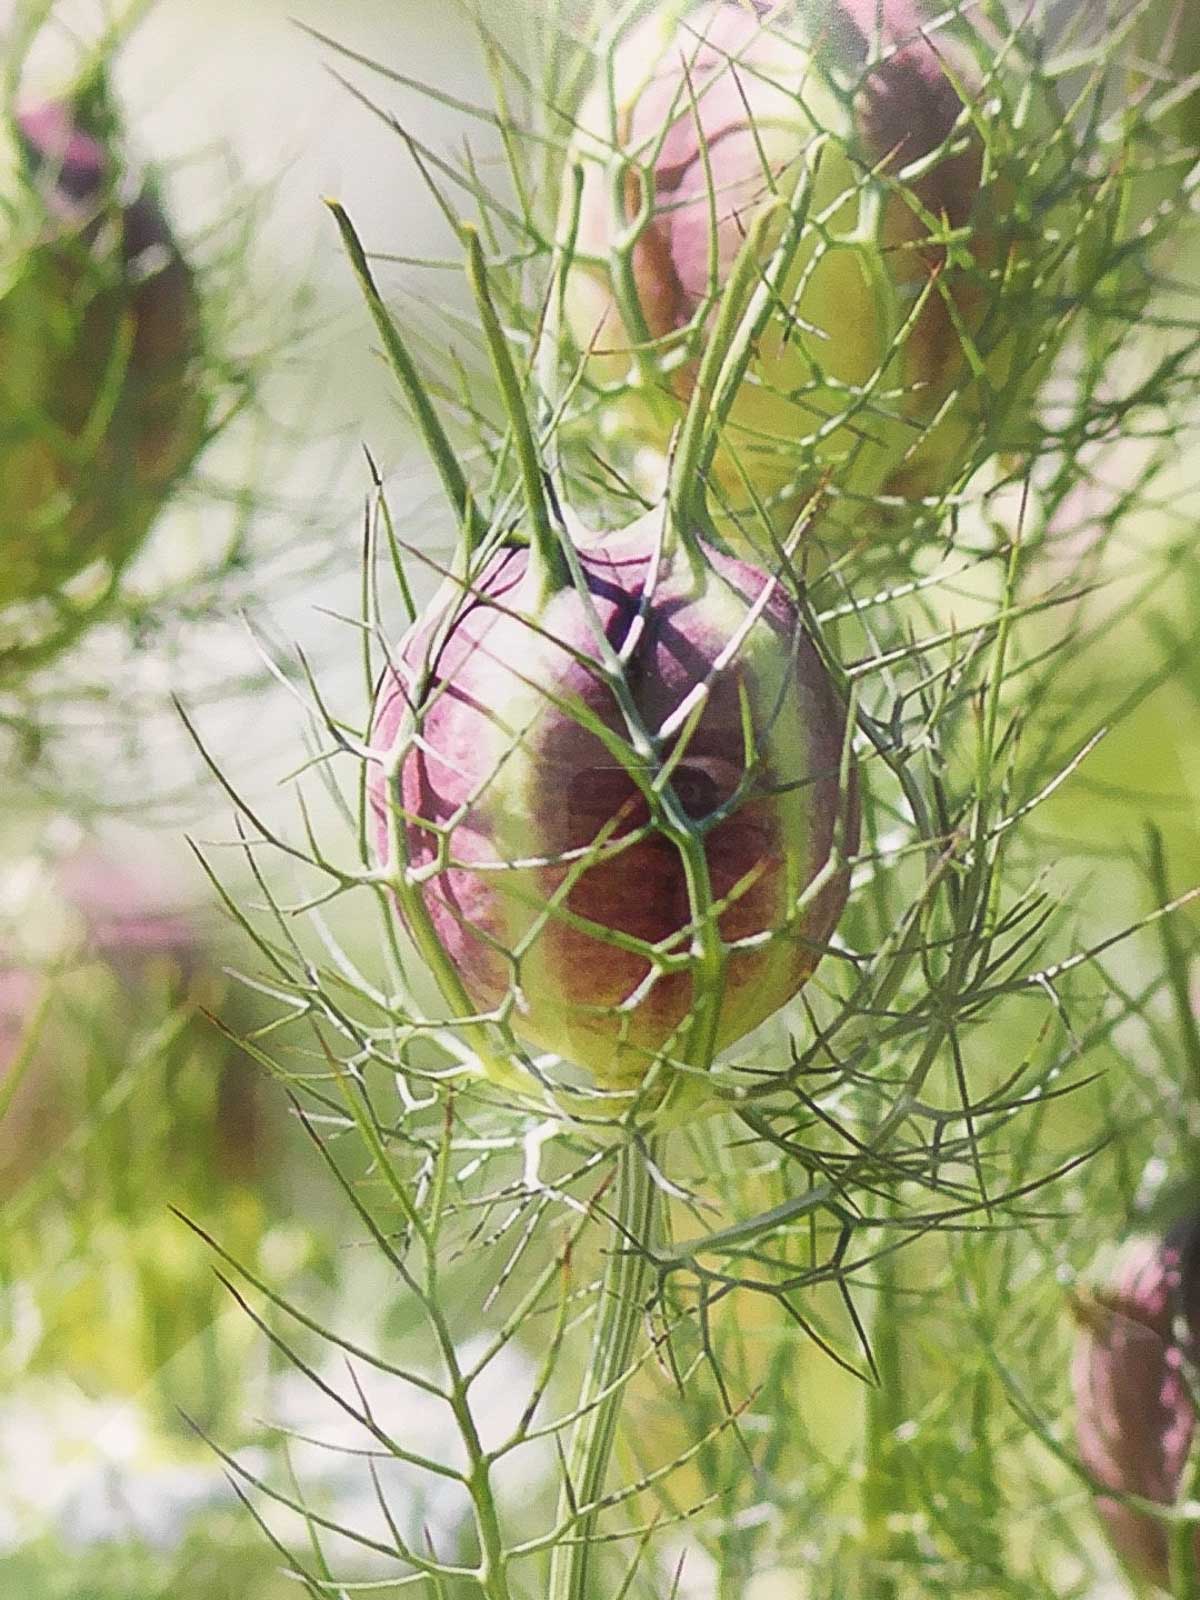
<point>127,921</point>
<point>74,164</point>
<point>1134,1411</point>
<point>159,954</point>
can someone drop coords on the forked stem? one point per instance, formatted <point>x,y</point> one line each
<point>602,1392</point>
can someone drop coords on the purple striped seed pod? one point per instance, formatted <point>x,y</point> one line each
<point>1133,1403</point>
<point>564,886</point>
<point>102,400</point>
<point>715,108</point>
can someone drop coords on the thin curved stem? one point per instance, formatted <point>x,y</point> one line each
<point>622,1295</point>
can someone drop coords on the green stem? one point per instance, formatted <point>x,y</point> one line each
<point>698,438</point>
<point>544,545</point>
<point>1176,959</point>
<point>415,392</point>
<point>882,1490</point>
<point>622,1295</point>
<point>753,294</point>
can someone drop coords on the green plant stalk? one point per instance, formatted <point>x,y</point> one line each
<point>544,547</point>
<point>1175,958</point>
<point>1183,1567</point>
<point>622,1294</point>
<point>882,1492</point>
<point>729,342</point>
<point>402,364</point>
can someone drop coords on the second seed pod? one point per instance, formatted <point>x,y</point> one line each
<point>890,359</point>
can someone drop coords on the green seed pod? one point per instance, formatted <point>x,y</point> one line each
<point>1134,1412</point>
<point>102,407</point>
<point>623,802</point>
<point>849,109</point>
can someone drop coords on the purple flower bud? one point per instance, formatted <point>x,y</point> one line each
<point>102,401</point>
<point>563,885</point>
<point>712,114</point>
<point>75,163</point>
<point>1134,1411</point>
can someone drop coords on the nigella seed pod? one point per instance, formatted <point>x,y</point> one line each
<point>705,114</point>
<point>622,801</point>
<point>1134,1411</point>
<point>102,401</point>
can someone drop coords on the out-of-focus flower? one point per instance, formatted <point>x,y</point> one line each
<point>1135,1415</point>
<point>122,959</point>
<point>103,398</point>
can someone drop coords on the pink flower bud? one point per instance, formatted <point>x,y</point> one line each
<point>563,883</point>
<point>1134,1412</point>
<point>713,113</point>
<point>102,406</point>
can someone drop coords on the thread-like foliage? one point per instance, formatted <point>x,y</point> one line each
<point>866,1208</point>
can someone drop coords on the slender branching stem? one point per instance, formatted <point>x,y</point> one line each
<point>622,1297</point>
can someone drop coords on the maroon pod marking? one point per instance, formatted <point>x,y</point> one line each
<point>906,109</point>
<point>518,774</point>
<point>672,256</point>
<point>82,172</point>
<point>909,106</point>
<point>641,891</point>
<point>1134,1413</point>
<point>739,86</point>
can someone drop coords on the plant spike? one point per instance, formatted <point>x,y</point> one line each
<point>544,539</point>
<point>428,423</point>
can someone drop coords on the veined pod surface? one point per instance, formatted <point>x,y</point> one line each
<point>102,405</point>
<point>1134,1412</point>
<point>704,113</point>
<point>625,803</point>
